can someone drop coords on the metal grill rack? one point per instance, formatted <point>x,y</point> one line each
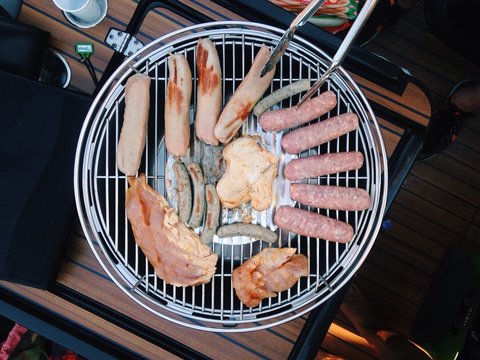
<point>100,187</point>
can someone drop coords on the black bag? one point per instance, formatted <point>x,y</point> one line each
<point>39,129</point>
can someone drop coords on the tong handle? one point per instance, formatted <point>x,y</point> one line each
<point>306,13</point>
<point>343,48</point>
<point>353,32</point>
<point>282,45</point>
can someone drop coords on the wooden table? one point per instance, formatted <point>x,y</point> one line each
<point>85,310</point>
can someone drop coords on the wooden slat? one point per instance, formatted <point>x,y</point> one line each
<point>405,250</point>
<point>411,37</point>
<point>473,234</point>
<point>391,135</point>
<point>400,267</point>
<point>394,309</point>
<point>462,153</point>
<point>406,294</point>
<point>83,318</point>
<point>441,178</point>
<point>439,197</point>
<point>447,220</point>
<point>476,220</point>
<point>339,347</point>
<point>458,170</point>
<point>406,234</point>
<point>412,104</point>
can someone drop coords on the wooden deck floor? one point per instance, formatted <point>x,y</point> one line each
<point>437,208</point>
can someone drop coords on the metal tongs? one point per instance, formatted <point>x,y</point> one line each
<point>344,47</point>
<point>282,45</point>
<point>339,56</point>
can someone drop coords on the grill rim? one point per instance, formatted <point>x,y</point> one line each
<point>84,148</point>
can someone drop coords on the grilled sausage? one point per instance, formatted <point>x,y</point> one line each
<point>177,107</point>
<point>277,120</point>
<point>319,133</point>
<point>198,195</point>
<point>134,128</point>
<point>251,230</point>
<point>244,98</point>
<point>330,197</point>
<point>319,165</point>
<point>213,214</point>
<point>280,95</point>
<point>308,223</point>
<point>209,91</point>
<point>184,200</point>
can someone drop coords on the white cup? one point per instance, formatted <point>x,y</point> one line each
<point>87,11</point>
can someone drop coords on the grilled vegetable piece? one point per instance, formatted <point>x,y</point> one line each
<point>212,217</point>
<point>198,207</point>
<point>184,190</point>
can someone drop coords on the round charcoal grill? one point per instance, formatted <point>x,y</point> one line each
<point>100,187</point>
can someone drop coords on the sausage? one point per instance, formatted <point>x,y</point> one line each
<point>251,230</point>
<point>213,163</point>
<point>177,107</point>
<point>319,133</point>
<point>244,98</point>
<point>319,165</point>
<point>277,120</point>
<point>212,217</point>
<point>184,202</point>
<point>198,207</point>
<point>280,95</point>
<point>134,128</point>
<point>209,91</point>
<point>308,223</point>
<point>330,197</point>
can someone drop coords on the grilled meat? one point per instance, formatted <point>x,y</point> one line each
<point>174,250</point>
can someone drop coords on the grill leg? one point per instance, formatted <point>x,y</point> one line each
<point>316,327</point>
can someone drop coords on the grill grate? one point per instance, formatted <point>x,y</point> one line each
<point>100,188</point>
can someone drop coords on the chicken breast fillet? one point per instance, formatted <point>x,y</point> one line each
<point>174,250</point>
<point>272,270</point>
<point>250,173</point>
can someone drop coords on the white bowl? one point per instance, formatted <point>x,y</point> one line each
<point>84,24</point>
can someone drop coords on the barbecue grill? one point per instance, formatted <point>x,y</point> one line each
<point>100,187</point>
